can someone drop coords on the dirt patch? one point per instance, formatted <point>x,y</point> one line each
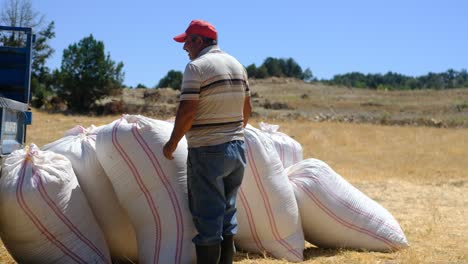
<point>149,102</point>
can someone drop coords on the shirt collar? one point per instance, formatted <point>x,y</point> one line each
<point>208,49</point>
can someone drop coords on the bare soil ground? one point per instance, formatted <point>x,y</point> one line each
<point>418,170</point>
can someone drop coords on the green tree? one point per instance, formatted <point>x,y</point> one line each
<point>41,83</point>
<point>262,72</point>
<point>395,81</point>
<point>273,67</point>
<point>280,68</point>
<point>42,51</point>
<point>291,68</point>
<point>462,78</point>
<point>450,77</point>
<point>375,81</point>
<point>172,79</point>
<point>87,74</point>
<point>251,70</point>
<point>432,81</point>
<point>412,83</point>
<point>308,76</point>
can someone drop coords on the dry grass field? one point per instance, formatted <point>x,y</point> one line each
<point>418,173</point>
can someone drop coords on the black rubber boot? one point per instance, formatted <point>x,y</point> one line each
<point>208,254</point>
<point>228,250</point>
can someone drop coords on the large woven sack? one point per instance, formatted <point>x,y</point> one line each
<point>150,188</point>
<point>288,149</point>
<point>337,215</point>
<point>268,215</point>
<point>44,215</point>
<point>79,147</point>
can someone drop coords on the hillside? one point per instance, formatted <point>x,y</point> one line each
<point>286,99</point>
<point>318,102</point>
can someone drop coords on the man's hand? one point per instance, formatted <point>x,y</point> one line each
<point>183,122</point>
<point>169,149</point>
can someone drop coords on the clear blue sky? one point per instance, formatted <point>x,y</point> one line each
<point>329,37</point>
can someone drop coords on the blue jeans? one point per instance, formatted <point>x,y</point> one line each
<point>214,175</point>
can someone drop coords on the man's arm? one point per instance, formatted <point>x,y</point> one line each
<point>247,110</point>
<point>183,122</point>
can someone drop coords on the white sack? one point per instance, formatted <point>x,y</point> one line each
<point>288,149</point>
<point>150,188</point>
<point>268,215</point>
<point>78,146</point>
<point>337,215</point>
<point>44,216</point>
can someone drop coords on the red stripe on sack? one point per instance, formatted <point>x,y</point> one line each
<point>295,150</point>
<point>143,189</point>
<point>267,205</point>
<point>65,220</point>
<point>311,195</point>
<point>369,217</point>
<point>34,219</point>
<point>248,212</point>
<point>281,151</point>
<point>170,190</point>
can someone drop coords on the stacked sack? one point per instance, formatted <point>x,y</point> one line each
<point>337,215</point>
<point>44,215</point>
<point>149,187</point>
<point>334,214</point>
<point>268,215</point>
<point>79,146</point>
<point>139,199</point>
<point>288,149</point>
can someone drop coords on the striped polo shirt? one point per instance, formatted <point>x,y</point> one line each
<point>220,83</point>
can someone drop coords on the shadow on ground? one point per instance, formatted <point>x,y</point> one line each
<point>309,253</point>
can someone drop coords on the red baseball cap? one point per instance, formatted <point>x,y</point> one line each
<point>198,27</point>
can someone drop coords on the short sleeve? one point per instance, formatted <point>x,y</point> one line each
<point>191,83</point>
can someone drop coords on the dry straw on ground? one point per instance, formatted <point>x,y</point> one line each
<point>419,174</point>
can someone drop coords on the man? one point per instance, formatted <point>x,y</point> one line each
<point>213,110</point>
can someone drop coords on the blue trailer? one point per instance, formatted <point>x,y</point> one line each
<point>15,78</point>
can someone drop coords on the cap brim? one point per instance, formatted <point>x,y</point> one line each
<point>181,37</point>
